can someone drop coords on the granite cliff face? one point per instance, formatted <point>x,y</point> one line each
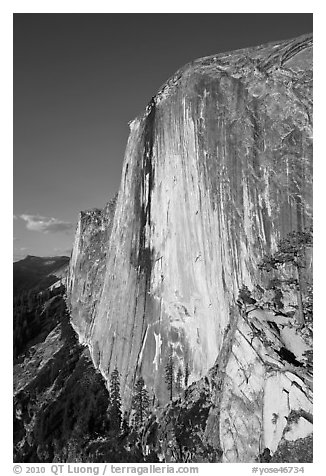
<point>88,263</point>
<point>216,172</point>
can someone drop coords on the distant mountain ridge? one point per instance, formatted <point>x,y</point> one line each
<point>38,272</point>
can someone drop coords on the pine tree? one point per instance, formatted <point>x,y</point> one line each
<point>114,412</point>
<point>169,370</point>
<point>178,383</point>
<point>101,405</point>
<point>187,373</point>
<point>125,424</point>
<point>140,402</point>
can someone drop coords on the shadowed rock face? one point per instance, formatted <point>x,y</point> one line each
<point>216,171</point>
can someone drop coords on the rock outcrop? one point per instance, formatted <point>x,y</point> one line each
<point>257,396</point>
<point>216,172</point>
<point>88,264</point>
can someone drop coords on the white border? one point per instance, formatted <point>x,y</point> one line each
<point>168,6</point>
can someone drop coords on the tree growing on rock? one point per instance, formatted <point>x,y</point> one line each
<point>187,374</point>
<point>125,424</point>
<point>114,411</point>
<point>178,383</point>
<point>140,402</point>
<point>169,373</point>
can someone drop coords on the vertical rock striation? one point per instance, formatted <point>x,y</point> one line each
<point>216,171</point>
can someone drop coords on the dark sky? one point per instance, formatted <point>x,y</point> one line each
<point>78,80</point>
